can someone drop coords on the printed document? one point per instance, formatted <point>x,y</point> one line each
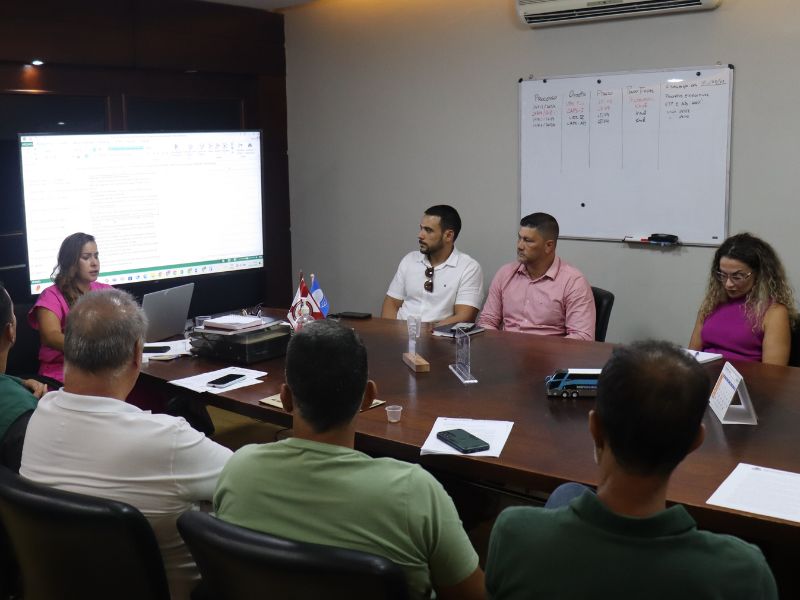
<point>762,491</point>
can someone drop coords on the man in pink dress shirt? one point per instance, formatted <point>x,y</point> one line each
<point>540,293</point>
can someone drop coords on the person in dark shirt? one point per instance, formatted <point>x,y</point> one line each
<point>623,541</point>
<point>17,397</point>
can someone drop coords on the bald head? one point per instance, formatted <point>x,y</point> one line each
<point>104,331</point>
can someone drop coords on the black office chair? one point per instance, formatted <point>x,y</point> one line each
<point>794,353</point>
<point>242,564</point>
<point>23,360</point>
<point>75,547</point>
<point>9,570</point>
<point>603,303</point>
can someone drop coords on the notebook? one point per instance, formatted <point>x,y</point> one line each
<point>703,357</point>
<point>166,312</point>
<point>450,330</point>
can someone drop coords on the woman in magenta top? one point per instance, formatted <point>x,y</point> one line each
<point>749,306</point>
<point>76,273</point>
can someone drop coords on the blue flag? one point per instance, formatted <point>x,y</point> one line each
<point>319,296</point>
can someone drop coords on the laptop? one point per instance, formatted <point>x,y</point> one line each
<point>166,312</point>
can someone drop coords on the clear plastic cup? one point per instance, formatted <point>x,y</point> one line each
<point>393,413</point>
<point>199,320</point>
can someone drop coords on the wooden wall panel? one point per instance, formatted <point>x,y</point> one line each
<point>178,35</point>
<point>123,49</point>
<point>208,37</point>
<point>78,32</point>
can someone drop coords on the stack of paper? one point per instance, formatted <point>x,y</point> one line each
<point>233,322</point>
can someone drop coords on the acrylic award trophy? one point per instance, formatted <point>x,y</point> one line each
<point>729,385</point>
<point>462,365</point>
<point>413,360</point>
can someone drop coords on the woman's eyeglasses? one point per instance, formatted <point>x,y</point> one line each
<point>429,281</point>
<point>736,278</point>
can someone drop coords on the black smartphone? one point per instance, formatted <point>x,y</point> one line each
<point>463,441</point>
<point>225,381</point>
<point>155,349</point>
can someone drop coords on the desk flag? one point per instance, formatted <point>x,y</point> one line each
<point>300,297</point>
<point>319,296</point>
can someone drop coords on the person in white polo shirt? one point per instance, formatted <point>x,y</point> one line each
<point>439,283</point>
<point>86,438</point>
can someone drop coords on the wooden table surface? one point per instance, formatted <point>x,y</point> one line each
<point>549,443</point>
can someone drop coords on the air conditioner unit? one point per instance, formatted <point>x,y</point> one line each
<point>540,13</point>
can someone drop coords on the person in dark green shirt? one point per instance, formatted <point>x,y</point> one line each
<point>623,542</point>
<point>18,398</point>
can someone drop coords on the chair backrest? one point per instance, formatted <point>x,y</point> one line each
<point>241,564</point>
<point>603,302</point>
<point>71,546</point>
<point>9,571</point>
<point>23,360</point>
<point>794,352</point>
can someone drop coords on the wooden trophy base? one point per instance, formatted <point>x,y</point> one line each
<point>416,363</point>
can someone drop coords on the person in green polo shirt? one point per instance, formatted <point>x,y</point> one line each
<point>17,397</point>
<point>314,487</point>
<point>623,542</point>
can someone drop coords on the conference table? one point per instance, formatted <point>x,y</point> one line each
<point>549,443</point>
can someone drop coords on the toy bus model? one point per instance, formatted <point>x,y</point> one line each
<point>572,383</point>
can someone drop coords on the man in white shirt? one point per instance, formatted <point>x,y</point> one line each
<point>85,438</point>
<point>437,283</point>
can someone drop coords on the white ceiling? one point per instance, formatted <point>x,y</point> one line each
<point>262,4</point>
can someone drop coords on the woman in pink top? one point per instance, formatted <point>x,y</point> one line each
<point>749,306</point>
<point>75,274</point>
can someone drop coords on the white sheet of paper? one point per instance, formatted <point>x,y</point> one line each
<point>176,348</point>
<point>760,490</point>
<point>495,433</point>
<point>703,357</point>
<point>197,383</point>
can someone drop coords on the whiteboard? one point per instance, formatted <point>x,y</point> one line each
<point>625,155</point>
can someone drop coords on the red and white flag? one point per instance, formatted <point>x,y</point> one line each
<point>302,296</point>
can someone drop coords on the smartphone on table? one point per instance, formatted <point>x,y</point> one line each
<point>225,380</point>
<point>463,441</point>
